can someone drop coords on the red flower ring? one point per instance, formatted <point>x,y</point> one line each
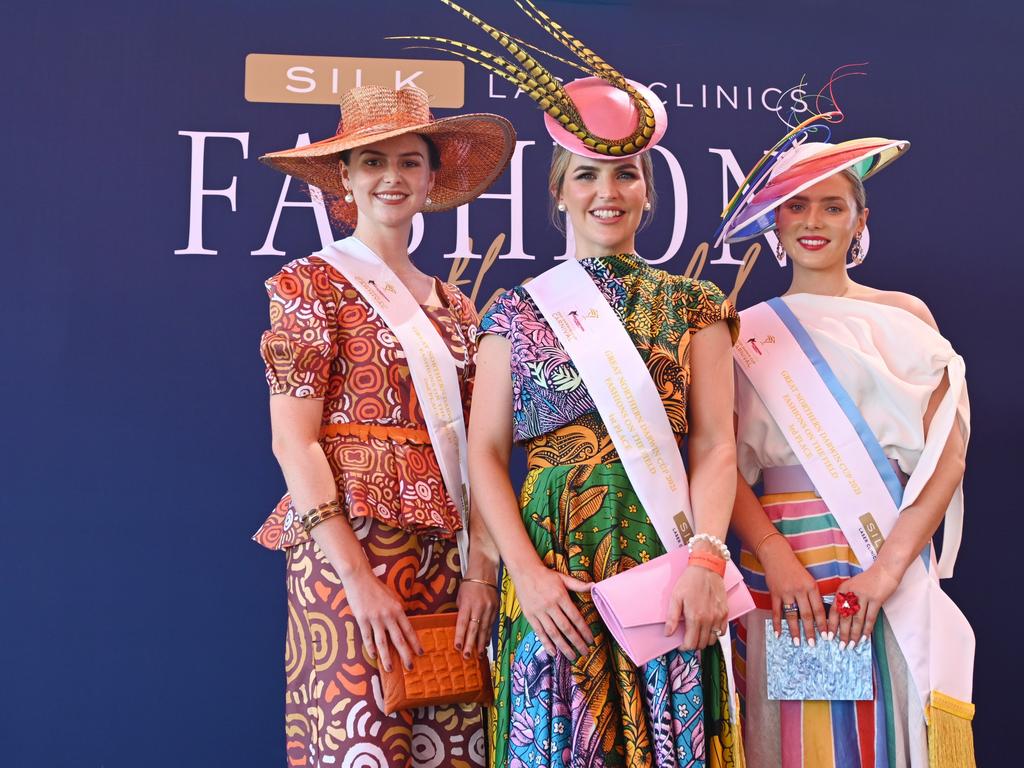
<point>847,604</point>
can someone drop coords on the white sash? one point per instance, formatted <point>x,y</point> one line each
<point>434,374</point>
<point>845,462</point>
<point>628,401</point>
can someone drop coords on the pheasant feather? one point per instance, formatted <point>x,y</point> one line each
<point>530,76</point>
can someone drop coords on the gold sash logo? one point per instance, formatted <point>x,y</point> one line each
<point>592,314</point>
<point>874,533</point>
<point>683,526</point>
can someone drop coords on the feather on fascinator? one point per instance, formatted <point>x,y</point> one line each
<point>795,163</point>
<point>579,112</point>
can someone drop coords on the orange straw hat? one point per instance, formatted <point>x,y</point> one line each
<point>475,149</point>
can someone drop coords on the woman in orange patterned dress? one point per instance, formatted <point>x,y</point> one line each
<point>368,526</point>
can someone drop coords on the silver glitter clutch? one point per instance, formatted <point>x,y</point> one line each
<point>803,673</point>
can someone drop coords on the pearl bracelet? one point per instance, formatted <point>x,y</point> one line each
<point>713,541</point>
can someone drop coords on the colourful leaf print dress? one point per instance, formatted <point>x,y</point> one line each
<point>326,342</point>
<point>585,520</point>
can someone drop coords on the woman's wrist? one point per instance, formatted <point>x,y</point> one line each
<point>354,572</point>
<point>708,561</point>
<point>892,571</point>
<point>482,567</point>
<point>773,550</point>
<point>710,544</point>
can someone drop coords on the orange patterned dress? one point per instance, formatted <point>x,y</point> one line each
<point>326,342</point>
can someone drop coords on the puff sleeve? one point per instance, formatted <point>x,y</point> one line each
<point>299,347</point>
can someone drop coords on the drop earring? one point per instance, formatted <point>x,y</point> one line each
<point>857,251</point>
<point>647,205</point>
<point>349,198</point>
<point>561,207</point>
<point>780,251</point>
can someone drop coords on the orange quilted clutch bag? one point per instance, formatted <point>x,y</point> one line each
<point>441,675</point>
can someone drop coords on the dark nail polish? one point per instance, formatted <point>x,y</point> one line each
<point>458,646</point>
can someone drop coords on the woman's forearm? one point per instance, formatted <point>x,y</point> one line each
<point>311,483</point>
<point>749,520</point>
<point>483,552</point>
<point>916,524</point>
<point>713,487</point>
<point>499,507</point>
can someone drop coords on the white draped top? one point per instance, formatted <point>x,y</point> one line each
<point>890,362</point>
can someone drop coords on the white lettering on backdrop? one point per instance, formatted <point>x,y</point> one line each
<point>731,175</point>
<point>196,189</point>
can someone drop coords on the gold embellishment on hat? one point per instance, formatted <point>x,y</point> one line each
<point>541,86</point>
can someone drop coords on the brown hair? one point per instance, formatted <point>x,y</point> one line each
<point>560,159</point>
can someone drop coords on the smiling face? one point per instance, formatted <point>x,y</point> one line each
<point>604,200</point>
<point>389,179</point>
<point>817,226</point>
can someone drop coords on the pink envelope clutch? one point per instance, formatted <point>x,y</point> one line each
<point>634,604</point>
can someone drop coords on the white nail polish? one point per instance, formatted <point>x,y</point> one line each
<point>842,645</point>
<point>778,635</point>
<point>831,636</point>
<point>810,641</point>
<point>796,641</point>
<point>862,639</point>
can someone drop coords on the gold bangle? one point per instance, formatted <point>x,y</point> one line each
<point>318,514</point>
<point>481,581</point>
<point>762,541</point>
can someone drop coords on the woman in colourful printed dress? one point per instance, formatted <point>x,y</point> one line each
<point>885,351</point>
<point>566,693</point>
<point>368,525</point>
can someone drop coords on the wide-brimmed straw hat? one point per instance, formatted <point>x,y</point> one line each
<point>603,116</point>
<point>475,149</point>
<point>801,167</point>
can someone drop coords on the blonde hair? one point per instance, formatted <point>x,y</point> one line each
<point>860,197</point>
<point>560,159</point>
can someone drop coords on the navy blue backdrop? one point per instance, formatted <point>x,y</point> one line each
<point>141,627</point>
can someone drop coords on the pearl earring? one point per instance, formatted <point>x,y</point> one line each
<point>428,201</point>
<point>647,205</point>
<point>561,207</point>
<point>349,198</point>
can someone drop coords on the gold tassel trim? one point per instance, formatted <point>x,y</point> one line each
<point>950,735</point>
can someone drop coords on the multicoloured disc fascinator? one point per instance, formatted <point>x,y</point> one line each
<point>602,116</point>
<point>796,163</point>
<point>475,149</point>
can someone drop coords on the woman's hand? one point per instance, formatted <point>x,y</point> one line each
<point>380,615</point>
<point>872,588</point>
<point>698,597</point>
<point>478,605</point>
<point>790,583</point>
<point>544,597</point>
